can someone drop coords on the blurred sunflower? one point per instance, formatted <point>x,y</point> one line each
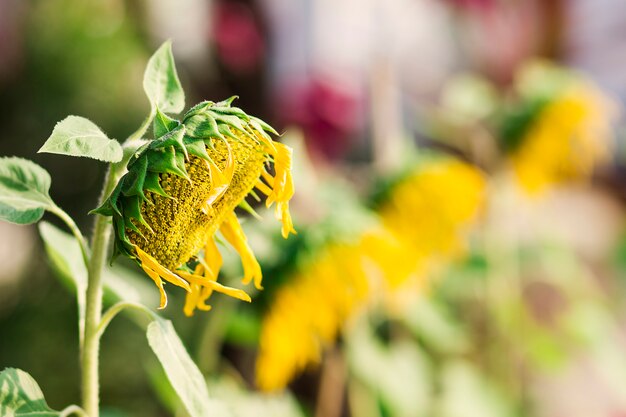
<point>561,130</point>
<point>182,187</point>
<point>430,209</point>
<point>424,223</point>
<point>424,218</point>
<point>307,314</point>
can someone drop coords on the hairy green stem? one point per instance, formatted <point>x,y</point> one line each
<point>93,307</point>
<point>73,409</point>
<point>113,311</point>
<point>93,301</point>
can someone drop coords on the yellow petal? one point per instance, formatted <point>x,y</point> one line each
<point>267,177</point>
<point>191,300</point>
<point>233,233</point>
<point>262,187</point>
<point>220,180</point>
<point>282,188</point>
<point>159,283</point>
<point>233,292</point>
<point>154,265</point>
<point>285,218</point>
<point>213,259</point>
<point>204,295</point>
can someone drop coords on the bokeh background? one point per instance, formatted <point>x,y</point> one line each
<point>460,188</point>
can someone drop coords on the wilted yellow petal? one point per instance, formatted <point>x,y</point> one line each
<point>233,233</point>
<point>163,272</point>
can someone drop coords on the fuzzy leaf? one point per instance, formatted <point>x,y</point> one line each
<point>227,102</point>
<point>173,138</point>
<point>182,373</point>
<point>135,178</point>
<point>120,283</point>
<point>132,210</point>
<point>232,121</point>
<point>24,188</point>
<point>21,396</point>
<point>109,206</point>
<point>203,126</point>
<point>196,147</point>
<point>225,130</point>
<point>77,136</point>
<point>67,262</point>
<point>264,126</point>
<point>197,109</point>
<point>231,111</point>
<point>167,161</point>
<point>161,83</point>
<point>152,183</point>
<point>163,124</point>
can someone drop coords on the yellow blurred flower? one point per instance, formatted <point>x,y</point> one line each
<point>431,209</point>
<point>308,313</point>
<point>424,219</point>
<point>569,137</point>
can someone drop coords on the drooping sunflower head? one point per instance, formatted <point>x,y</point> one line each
<point>183,186</point>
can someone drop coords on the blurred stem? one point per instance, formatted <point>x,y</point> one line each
<point>84,248</point>
<point>212,336</point>
<point>388,138</point>
<point>332,386</point>
<point>93,308</point>
<point>361,400</point>
<point>504,289</point>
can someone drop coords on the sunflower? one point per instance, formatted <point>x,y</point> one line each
<point>559,129</point>
<point>183,187</point>
<point>430,210</point>
<point>423,221</point>
<point>567,140</point>
<point>308,313</point>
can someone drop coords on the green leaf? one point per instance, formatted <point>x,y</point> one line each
<point>430,322</point>
<point>21,396</point>
<point>161,83</point>
<point>163,124</point>
<point>399,374</point>
<point>173,139</point>
<point>120,283</point>
<point>182,373</point>
<point>66,258</point>
<point>168,161</point>
<point>77,136</point>
<point>197,109</point>
<point>24,188</point>
<point>465,392</point>
<point>135,178</point>
<point>203,126</point>
<point>124,284</point>
<point>244,403</point>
